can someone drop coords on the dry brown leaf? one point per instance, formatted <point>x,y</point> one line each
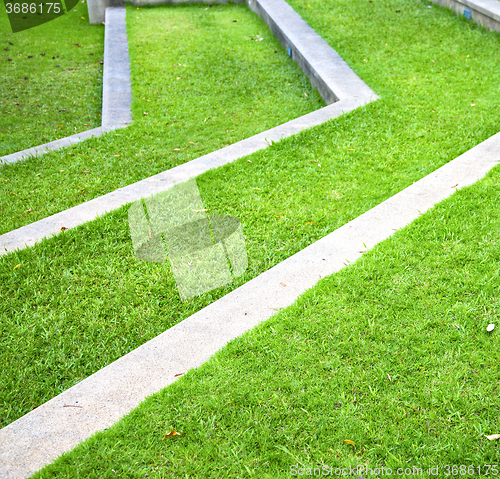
<point>349,442</point>
<point>85,171</point>
<point>172,433</point>
<point>282,284</point>
<point>63,228</point>
<point>17,266</point>
<point>178,374</point>
<point>493,437</point>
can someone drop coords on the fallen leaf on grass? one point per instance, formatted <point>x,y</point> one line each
<point>257,189</point>
<point>310,222</point>
<point>171,433</point>
<point>176,149</point>
<point>85,171</point>
<point>118,155</point>
<point>199,211</point>
<point>27,211</point>
<point>277,216</point>
<point>493,437</point>
<point>350,149</point>
<point>349,442</point>
<point>17,266</point>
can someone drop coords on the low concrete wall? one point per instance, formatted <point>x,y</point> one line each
<point>484,12</point>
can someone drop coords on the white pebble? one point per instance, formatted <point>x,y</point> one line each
<point>490,327</point>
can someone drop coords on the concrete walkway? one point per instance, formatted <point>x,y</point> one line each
<point>335,80</point>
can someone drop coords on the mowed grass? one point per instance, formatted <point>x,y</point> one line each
<point>391,353</point>
<point>81,300</point>
<point>50,82</point>
<point>201,80</point>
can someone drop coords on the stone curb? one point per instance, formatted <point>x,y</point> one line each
<point>484,12</point>
<point>99,401</point>
<point>53,145</point>
<point>116,90</point>
<point>334,79</point>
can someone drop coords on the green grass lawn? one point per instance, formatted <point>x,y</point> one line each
<point>50,82</point>
<point>61,316</point>
<point>201,80</point>
<point>390,353</point>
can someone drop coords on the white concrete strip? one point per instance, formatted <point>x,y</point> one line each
<point>30,234</point>
<point>117,93</point>
<point>40,436</point>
